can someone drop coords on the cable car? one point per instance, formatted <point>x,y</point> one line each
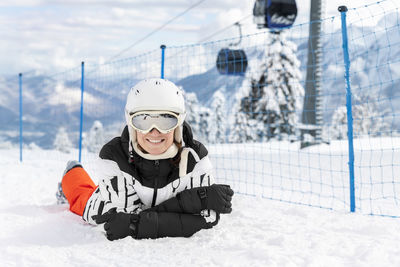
<point>232,61</point>
<point>274,14</point>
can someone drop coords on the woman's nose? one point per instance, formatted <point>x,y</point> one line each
<point>154,131</point>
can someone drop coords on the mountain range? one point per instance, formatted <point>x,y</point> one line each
<point>49,104</point>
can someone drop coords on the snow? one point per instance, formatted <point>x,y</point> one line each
<point>259,232</point>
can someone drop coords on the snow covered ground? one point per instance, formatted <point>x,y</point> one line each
<point>34,231</point>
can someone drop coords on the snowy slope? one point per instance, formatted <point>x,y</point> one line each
<point>259,232</point>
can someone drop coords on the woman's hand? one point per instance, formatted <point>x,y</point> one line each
<point>216,197</point>
<point>118,224</point>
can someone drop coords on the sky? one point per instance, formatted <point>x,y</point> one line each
<point>49,35</point>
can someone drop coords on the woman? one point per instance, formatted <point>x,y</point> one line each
<point>155,180</point>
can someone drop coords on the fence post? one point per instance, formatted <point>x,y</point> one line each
<point>343,10</point>
<point>20,116</point>
<point>162,60</point>
<point>81,118</point>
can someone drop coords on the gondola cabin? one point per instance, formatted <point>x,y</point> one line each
<point>231,61</point>
<point>274,14</point>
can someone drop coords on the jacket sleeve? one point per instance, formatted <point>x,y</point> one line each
<point>154,224</point>
<point>187,201</point>
<point>115,190</point>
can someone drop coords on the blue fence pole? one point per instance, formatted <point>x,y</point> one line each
<point>343,10</point>
<point>81,119</point>
<point>20,116</point>
<point>162,60</point>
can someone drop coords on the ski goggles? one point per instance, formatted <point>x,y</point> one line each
<point>163,121</point>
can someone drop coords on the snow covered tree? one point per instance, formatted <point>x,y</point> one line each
<point>62,142</point>
<point>217,119</point>
<point>276,92</point>
<point>339,123</point>
<point>198,118</point>
<point>368,119</point>
<point>95,139</point>
<point>242,130</point>
<point>204,127</point>
<point>192,112</point>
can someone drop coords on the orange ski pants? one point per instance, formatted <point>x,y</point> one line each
<point>77,187</point>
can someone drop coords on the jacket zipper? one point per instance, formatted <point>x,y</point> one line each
<point>157,166</point>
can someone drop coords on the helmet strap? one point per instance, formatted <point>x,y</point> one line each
<point>178,134</point>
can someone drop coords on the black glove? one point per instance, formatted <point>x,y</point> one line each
<point>194,200</point>
<point>216,197</point>
<point>117,224</point>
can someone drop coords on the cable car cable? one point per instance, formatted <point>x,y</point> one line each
<point>154,31</point>
<point>223,29</point>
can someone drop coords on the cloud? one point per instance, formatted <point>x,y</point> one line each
<point>70,98</point>
<point>49,34</point>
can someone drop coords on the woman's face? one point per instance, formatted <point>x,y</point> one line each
<point>154,142</point>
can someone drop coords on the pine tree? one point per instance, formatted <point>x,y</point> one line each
<point>339,123</point>
<point>95,138</point>
<point>242,131</point>
<point>276,92</point>
<point>217,119</point>
<point>368,119</point>
<point>192,113</point>
<point>204,127</point>
<point>62,142</point>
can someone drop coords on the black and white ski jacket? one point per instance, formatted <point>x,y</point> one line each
<point>132,184</point>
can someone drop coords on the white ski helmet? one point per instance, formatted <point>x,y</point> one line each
<point>155,95</point>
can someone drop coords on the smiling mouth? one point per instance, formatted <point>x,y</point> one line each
<point>155,141</point>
